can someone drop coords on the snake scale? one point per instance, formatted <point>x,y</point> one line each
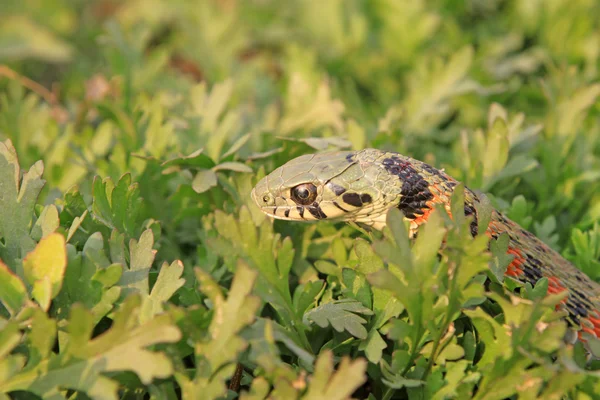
<point>361,186</point>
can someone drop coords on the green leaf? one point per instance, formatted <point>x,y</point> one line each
<point>485,211</point>
<point>196,159</point>
<point>502,259</point>
<point>357,287</point>
<point>285,257</point>
<point>232,166</point>
<point>516,166</point>
<point>264,333</point>
<point>497,146</point>
<point>168,282</point>
<point>84,363</point>
<point>17,200</point>
<point>204,180</point>
<point>326,383</point>
<point>47,223</point>
<point>13,294</point>
<point>117,206</point>
<point>384,305</point>
<point>236,146</point>
<point>373,346</point>
<point>89,279</point>
<point>342,316</point>
<point>397,381</point>
<point>142,256</point>
<point>10,365</point>
<point>572,110</point>
<point>369,262</point>
<point>432,87</point>
<point>254,241</point>
<point>306,296</point>
<point>216,356</point>
<point>41,337</point>
<point>546,231</point>
<point>327,268</point>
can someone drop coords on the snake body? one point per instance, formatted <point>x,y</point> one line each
<point>361,186</point>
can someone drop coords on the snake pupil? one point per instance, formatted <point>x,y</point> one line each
<point>304,194</point>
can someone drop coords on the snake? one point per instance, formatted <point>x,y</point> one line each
<point>362,186</point>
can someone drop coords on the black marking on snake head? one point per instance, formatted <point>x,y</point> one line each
<point>350,158</point>
<point>337,189</point>
<point>357,199</point>
<point>316,211</point>
<point>415,191</point>
<point>300,211</point>
<point>287,213</point>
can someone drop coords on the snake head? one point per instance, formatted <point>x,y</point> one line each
<point>339,186</point>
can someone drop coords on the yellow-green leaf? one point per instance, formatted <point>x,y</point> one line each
<point>44,268</point>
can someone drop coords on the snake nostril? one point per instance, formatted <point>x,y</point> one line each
<point>268,199</point>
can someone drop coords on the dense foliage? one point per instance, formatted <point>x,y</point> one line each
<point>134,265</point>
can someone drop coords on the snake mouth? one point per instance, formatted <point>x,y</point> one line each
<point>269,207</point>
<point>285,208</point>
<point>281,212</point>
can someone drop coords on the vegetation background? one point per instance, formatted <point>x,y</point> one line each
<point>134,265</point>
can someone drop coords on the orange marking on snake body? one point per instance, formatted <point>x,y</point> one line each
<point>514,268</point>
<point>595,321</point>
<point>554,286</point>
<point>423,218</point>
<point>429,209</point>
<point>587,330</point>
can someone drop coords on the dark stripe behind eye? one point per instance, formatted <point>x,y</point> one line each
<point>337,189</point>
<point>316,211</point>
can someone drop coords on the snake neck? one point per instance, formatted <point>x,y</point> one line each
<point>423,188</point>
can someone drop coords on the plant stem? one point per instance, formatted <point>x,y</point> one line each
<point>236,379</point>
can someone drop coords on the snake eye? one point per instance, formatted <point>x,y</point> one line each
<point>304,194</point>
